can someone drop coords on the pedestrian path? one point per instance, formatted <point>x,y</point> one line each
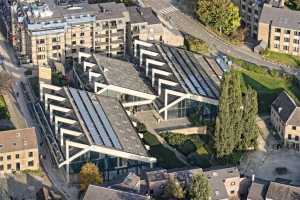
<point>168,10</point>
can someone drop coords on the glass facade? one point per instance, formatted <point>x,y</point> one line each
<point>196,111</point>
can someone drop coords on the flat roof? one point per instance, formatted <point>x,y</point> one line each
<point>97,192</point>
<point>106,121</point>
<point>17,140</point>
<point>280,17</point>
<point>121,73</point>
<point>278,191</point>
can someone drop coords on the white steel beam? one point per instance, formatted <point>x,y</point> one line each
<point>93,74</point>
<point>64,131</point>
<point>146,52</point>
<point>153,62</point>
<point>53,97</point>
<point>87,64</point>
<point>57,108</point>
<point>165,82</point>
<point>140,43</point>
<point>59,119</point>
<point>137,103</point>
<point>106,151</point>
<point>83,54</point>
<point>158,71</point>
<point>48,86</point>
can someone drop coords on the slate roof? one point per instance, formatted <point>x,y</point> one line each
<point>285,106</point>
<point>257,191</point>
<point>216,179</point>
<point>140,15</point>
<point>280,17</point>
<point>18,140</point>
<point>278,191</point>
<point>101,193</point>
<point>121,73</point>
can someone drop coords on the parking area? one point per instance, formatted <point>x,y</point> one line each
<point>270,163</point>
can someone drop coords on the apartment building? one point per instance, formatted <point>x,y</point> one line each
<point>285,117</point>
<point>280,30</point>
<point>46,31</point>
<point>18,150</point>
<point>250,11</point>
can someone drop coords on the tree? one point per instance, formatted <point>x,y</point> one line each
<point>249,127</point>
<point>199,188</point>
<point>174,189</point>
<point>89,174</point>
<point>223,136</point>
<point>219,14</point>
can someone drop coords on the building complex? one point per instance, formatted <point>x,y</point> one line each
<point>285,117</point>
<point>49,30</point>
<point>83,126</point>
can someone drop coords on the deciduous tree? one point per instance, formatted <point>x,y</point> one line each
<point>199,188</point>
<point>174,189</point>
<point>89,174</point>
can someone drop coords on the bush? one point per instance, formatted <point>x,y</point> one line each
<point>187,147</point>
<point>141,128</point>
<point>196,45</point>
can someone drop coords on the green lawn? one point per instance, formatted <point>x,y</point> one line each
<point>268,85</point>
<point>286,59</point>
<point>4,114</point>
<point>165,158</point>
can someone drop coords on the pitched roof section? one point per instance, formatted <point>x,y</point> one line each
<point>284,106</point>
<point>278,191</point>
<point>17,140</point>
<point>98,192</point>
<point>280,17</point>
<point>121,73</point>
<point>140,15</point>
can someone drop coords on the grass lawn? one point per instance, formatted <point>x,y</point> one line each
<point>286,59</point>
<point>268,87</point>
<point>165,158</point>
<point>4,114</point>
<point>192,146</point>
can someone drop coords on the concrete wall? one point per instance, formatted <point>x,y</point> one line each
<point>263,32</point>
<point>23,159</point>
<point>190,130</point>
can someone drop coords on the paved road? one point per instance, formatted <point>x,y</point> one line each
<point>189,25</point>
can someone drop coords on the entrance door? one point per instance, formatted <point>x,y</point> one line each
<point>18,167</point>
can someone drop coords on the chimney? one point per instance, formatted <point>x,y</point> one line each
<point>279,109</point>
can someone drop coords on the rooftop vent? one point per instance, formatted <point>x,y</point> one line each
<point>279,109</point>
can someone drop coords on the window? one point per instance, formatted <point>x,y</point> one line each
<point>276,37</point>
<point>41,49</point>
<point>56,47</point>
<point>277,30</point>
<point>82,34</point>
<point>8,157</point>
<point>8,166</point>
<point>1,167</point>
<point>297,138</point>
<point>30,163</point>
<point>285,47</point>
<point>41,57</point>
<point>1,158</point>
<point>73,42</point>
<point>81,41</point>
<point>296,41</point>
<point>232,192</point>
<point>294,127</point>
<point>30,154</point>
<point>74,35</point>
<point>82,49</point>
<point>287,32</point>
<point>54,55</point>
<point>73,50</point>
<point>296,33</point>
<point>289,136</point>
<point>56,39</point>
<point>277,46</point>
<point>286,39</point>
<point>17,156</point>
<point>40,41</point>
<point>232,183</point>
